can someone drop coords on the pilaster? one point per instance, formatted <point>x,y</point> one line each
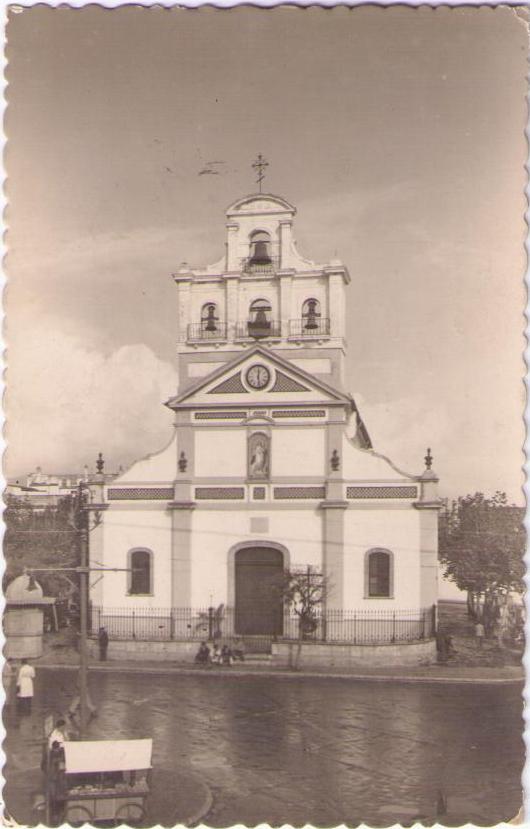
<point>334,507</point>
<point>184,311</point>
<point>286,280</point>
<point>181,532</point>
<point>337,304</point>
<point>286,237</point>
<point>232,258</point>
<point>231,302</point>
<point>428,505</point>
<point>333,551</point>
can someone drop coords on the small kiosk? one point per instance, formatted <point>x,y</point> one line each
<point>24,618</point>
<point>99,781</point>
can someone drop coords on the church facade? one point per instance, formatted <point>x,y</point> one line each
<point>270,468</point>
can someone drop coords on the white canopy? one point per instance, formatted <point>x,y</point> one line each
<point>85,757</point>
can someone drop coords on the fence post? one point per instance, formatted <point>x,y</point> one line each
<point>99,618</point>
<point>393,626</point>
<point>424,615</point>
<point>433,622</point>
<point>133,628</point>
<point>171,624</point>
<point>210,624</point>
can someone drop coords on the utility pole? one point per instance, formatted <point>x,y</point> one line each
<point>83,611</point>
<point>80,525</point>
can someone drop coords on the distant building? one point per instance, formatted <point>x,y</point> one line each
<point>45,489</point>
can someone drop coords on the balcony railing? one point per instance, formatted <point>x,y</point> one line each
<point>249,265</point>
<point>198,332</point>
<point>258,330</point>
<point>317,327</point>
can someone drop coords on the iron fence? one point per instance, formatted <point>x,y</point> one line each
<point>363,627</point>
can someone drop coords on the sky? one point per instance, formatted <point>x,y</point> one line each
<point>398,133</point>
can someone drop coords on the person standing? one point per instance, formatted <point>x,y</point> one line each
<point>25,678</point>
<point>59,735</point>
<point>479,633</point>
<point>103,640</point>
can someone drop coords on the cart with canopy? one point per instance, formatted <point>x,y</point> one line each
<point>100,781</point>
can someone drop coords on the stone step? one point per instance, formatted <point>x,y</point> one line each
<point>258,657</point>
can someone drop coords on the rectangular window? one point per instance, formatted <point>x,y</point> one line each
<point>379,574</point>
<point>140,575</point>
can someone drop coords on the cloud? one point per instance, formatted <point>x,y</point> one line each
<point>67,402</point>
<point>469,455</point>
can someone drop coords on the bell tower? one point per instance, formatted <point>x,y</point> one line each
<point>262,290</point>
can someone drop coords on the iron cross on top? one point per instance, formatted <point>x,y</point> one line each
<point>259,165</point>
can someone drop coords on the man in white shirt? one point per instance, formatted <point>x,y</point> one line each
<point>25,678</point>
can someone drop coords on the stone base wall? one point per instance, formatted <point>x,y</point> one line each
<point>353,657</point>
<point>120,649</point>
<point>285,654</point>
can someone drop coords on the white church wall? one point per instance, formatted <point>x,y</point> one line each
<point>298,452</point>
<point>125,529</point>
<point>203,294</point>
<point>249,291</point>
<point>160,466</point>
<point>396,530</point>
<point>303,288</point>
<point>215,532</point>
<point>220,452</point>
<point>249,224</point>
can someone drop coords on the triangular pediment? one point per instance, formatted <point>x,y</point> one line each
<point>258,376</point>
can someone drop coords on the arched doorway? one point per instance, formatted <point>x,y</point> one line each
<point>258,591</point>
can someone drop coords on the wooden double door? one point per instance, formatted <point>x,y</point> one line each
<point>258,582</point>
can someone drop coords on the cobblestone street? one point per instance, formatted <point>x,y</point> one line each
<point>324,751</point>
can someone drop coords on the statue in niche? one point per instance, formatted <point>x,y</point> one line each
<point>258,456</point>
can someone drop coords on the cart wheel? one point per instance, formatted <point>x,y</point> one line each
<point>129,813</point>
<point>78,815</point>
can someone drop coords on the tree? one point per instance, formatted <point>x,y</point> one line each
<point>482,543</point>
<point>41,538</point>
<point>305,591</point>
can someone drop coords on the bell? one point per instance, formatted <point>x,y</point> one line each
<point>260,255</point>
<point>210,319</point>
<point>311,317</point>
<point>261,318</point>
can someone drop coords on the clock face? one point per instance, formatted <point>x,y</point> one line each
<point>258,376</point>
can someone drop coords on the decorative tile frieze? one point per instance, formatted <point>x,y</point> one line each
<point>219,493</point>
<point>141,493</point>
<point>219,415</point>
<point>258,493</point>
<point>299,413</point>
<point>381,492</point>
<point>287,493</point>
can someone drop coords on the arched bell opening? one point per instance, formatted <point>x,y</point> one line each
<point>310,314</point>
<point>260,248</point>
<point>259,323</point>
<point>209,318</point>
